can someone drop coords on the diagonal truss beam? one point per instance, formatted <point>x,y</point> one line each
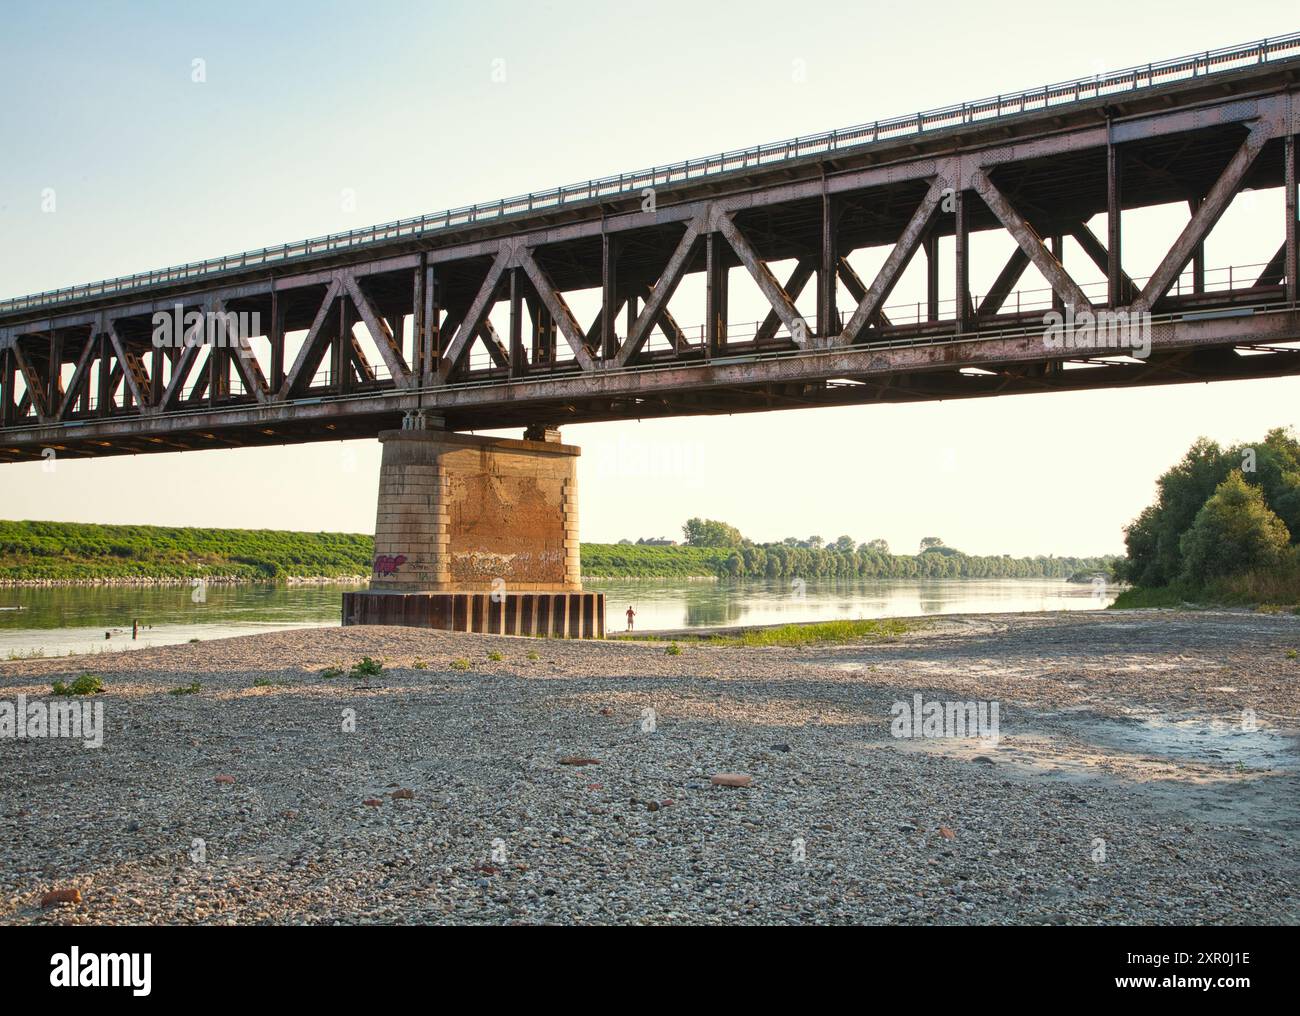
<point>1210,211</point>
<point>389,348</point>
<point>895,263</point>
<point>856,287</point>
<point>491,338</point>
<point>803,271</point>
<point>133,368</point>
<point>472,323</point>
<point>36,390</point>
<point>245,361</point>
<point>79,376</point>
<point>310,352</point>
<point>1030,242</point>
<point>559,310</point>
<point>1004,283</point>
<point>181,370</point>
<point>1100,256</point>
<point>594,331</point>
<point>658,299</point>
<point>1275,271</point>
<point>779,299</point>
<point>667,324</point>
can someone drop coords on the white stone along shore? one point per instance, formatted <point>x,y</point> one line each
<point>1146,771</point>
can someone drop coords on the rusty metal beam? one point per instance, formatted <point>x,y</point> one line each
<point>1275,270</point>
<point>1030,242</point>
<point>1210,211</point>
<point>779,300</point>
<point>137,377</point>
<point>1116,293</point>
<point>476,315</point>
<point>856,287</point>
<point>661,294</point>
<point>609,302</point>
<point>310,353</point>
<point>895,263</point>
<point>1292,240</point>
<point>80,376</point>
<point>559,310</point>
<point>803,270</point>
<point>1004,283</point>
<point>382,336</point>
<point>1100,257</point>
<point>36,389</point>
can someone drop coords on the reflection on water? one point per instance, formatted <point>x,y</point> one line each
<point>677,604</point>
<point>75,619</point>
<point>58,621</point>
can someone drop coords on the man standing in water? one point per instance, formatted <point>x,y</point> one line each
<point>630,614</point>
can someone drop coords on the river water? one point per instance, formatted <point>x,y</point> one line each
<point>55,622</point>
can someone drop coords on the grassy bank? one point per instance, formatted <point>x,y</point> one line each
<point>812,633</point>
<point>1273,589</point>
<point>80,553</point>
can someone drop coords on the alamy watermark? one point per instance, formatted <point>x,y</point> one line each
<point>919,718</point>
<point>83,721</point>
<point>178,328</point>
<point>1099,330</point>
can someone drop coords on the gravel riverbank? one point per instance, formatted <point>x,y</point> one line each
<point>1146,771</point>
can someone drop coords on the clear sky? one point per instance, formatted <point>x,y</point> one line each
<point>398,104</point>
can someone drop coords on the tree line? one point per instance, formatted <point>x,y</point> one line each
<point>1224,520</point>
<point>725,552</point>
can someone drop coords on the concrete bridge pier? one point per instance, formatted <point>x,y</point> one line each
<point>477,534</point>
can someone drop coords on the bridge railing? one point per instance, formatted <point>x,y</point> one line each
<point>1078,89</point>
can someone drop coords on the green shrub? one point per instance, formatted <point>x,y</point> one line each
<point>86,684</point>
<point>366,668</point>
<point>461,664</point>
<point>673,650</point>
<point>495,656</point>
<point>1234,532</point>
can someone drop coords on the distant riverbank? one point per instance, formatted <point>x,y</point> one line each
<point>45,554</point>
<point>170,581</point>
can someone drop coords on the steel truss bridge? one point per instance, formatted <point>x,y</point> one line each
<point>80,373</point>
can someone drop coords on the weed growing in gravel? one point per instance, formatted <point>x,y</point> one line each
<point>495,656</point>
<point>1290,654</point>
<point>827,631</point>
<point>266,682</point>
<point>86,684</point>
<point>192,641</point>
<point>366,668</point>
<point>461,664</point>
<point>419,665</point>
<point>804,634</point>
<point>673,650</point>
<point>34,654</point>
<point>186,689</point>
<point>331,672</point>
<point>533,654</point>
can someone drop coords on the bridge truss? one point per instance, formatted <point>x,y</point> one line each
<point>80,371</point>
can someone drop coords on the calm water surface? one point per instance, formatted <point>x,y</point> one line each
<point>55,622</point>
